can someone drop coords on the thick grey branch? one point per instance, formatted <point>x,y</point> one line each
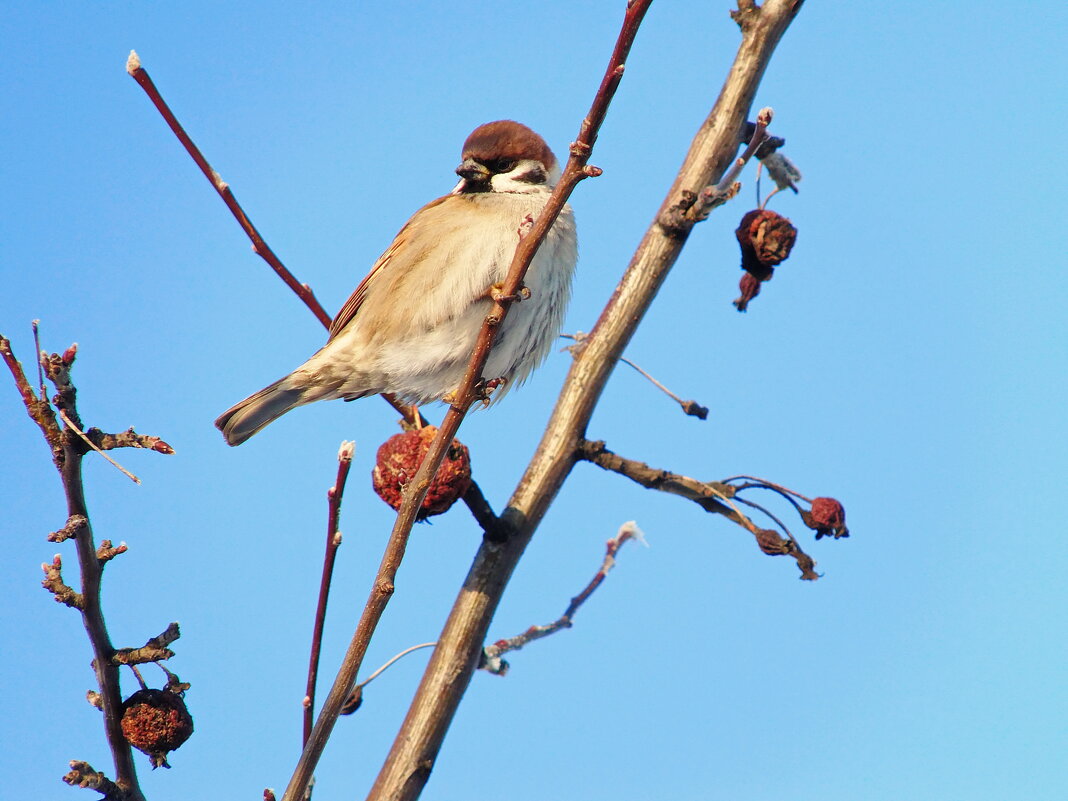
<point>456,657</point>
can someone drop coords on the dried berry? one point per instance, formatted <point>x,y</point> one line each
<point>155,722</point>
<point>771,543</point>
<point>766,239</point>
<point>750,288</point>
<point>353,702</point>
<point>770,236</point>
<point>400,456</point>
<point>827,517</point>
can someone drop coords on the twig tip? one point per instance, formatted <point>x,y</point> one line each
<point>630,531</point>
<point>133,62</point>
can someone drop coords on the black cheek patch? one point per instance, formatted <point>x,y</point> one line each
<point>534,176</point>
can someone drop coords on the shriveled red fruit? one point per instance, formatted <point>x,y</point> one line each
<point>771,543</point>
<point>766,239</point>
<point>769,236</point>
<point>827,517</point>
<point>155,722</point>
<point>750,288</point>
<point>400,456</point>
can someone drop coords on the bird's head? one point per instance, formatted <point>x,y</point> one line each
<point>506,156</point>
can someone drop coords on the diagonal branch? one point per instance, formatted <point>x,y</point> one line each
<point>259,245</point>
<point>466,395</point>
<point>712,496</point>
<point>491,655</point>
<point>155,650</point>
<point>456,657</point>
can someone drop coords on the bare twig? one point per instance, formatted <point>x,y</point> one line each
<point>576,170</point>
<point>454,660</point>
<point>71,528</point>
<point>39,409</point>
<point>712,496</point>
<point>259,245</point>
<point>491,655</point>
<point>694,207</point>
<point>152,651</point>
<point>333,540</point>
<point>390,662</point>
<point>482,511</point>
<point>126,439</point>
<point>53,582</point>
<point>74,427</point>
<point>106,552</point>
<point>690,407</point>
<point>786,492</point>
<point>82,774</point>
<point>35,325</point>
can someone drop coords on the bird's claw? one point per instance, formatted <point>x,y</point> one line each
<point>485,389</point>
<point>496,294</point>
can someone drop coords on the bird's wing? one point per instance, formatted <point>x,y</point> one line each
<point>352,305</point>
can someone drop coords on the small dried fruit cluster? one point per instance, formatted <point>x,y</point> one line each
<point>400,456</point>
<point>825,516</point>
<point>766,239</point>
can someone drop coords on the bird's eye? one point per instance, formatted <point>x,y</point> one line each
<point>500,165</point>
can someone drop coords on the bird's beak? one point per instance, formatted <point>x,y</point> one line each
<point>472,172</point>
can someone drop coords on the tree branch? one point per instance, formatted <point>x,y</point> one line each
<point>82,774</point>
<point>67,452</point>
<point>333,541</point>
<point>155,650</point>
<point>465,396</point>
<point>259,245</point>
<point>482,511</point>
<point>712,496</point>
<point>491,655</point>
<point>456,656</point>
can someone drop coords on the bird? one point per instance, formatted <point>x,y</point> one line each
<point>411,324</point>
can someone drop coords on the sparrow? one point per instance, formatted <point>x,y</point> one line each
<point>410,326</point>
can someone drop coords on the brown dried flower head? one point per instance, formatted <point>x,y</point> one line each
<point>827,517</point>
<point>766,239</point>
<point>400,456</point>
<point>155,722</point>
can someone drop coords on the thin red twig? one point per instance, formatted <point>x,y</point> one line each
<point>259,245</point>
<point>261,248</point>
<point>491,654</point>
<point>333,540</point>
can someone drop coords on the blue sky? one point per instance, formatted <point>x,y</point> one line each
<point>908,359</point>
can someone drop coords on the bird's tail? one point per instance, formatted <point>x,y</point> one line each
<point>240,422</point>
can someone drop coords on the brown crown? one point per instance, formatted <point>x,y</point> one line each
<point>505,139</point>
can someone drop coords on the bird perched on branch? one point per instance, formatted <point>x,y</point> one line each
<point>410,326</point>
